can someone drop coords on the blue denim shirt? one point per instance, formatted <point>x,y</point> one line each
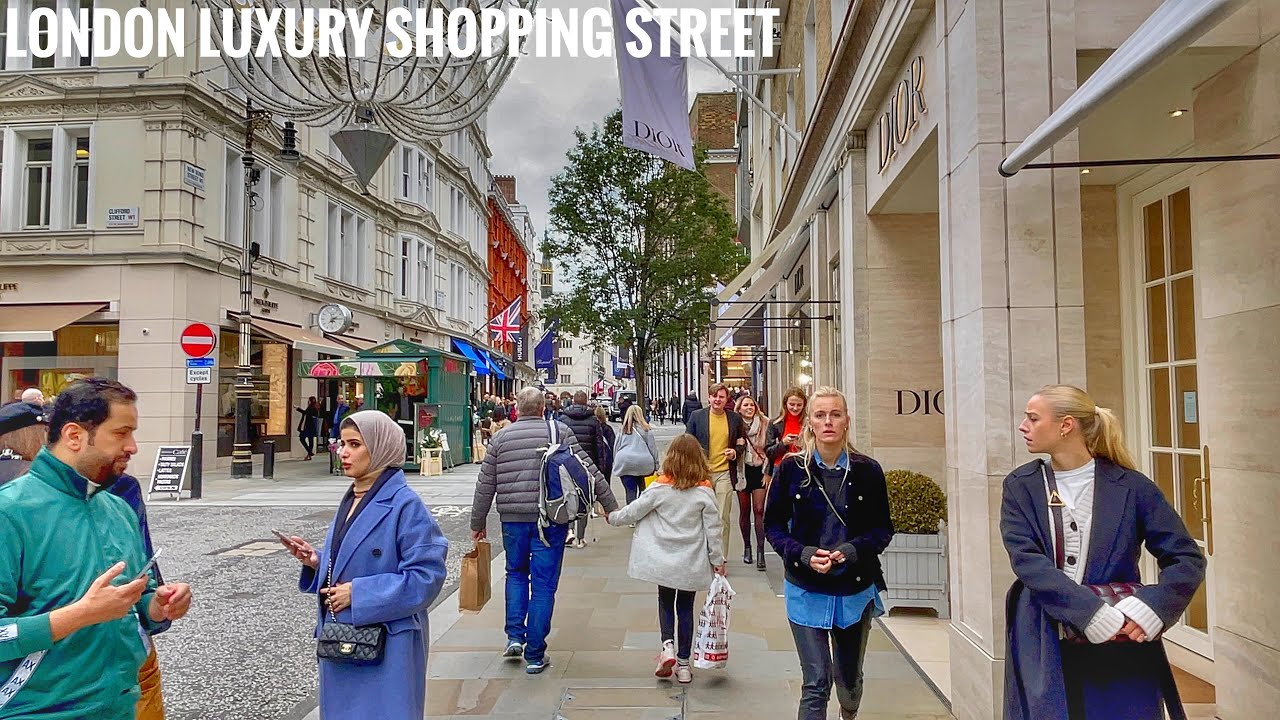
<point>819,610</point>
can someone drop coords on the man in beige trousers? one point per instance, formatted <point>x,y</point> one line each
<point>721,433</point>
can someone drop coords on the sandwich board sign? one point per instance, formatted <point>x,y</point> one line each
<point>171,469</point>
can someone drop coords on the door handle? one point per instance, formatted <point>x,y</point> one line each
<point>1204,486</point>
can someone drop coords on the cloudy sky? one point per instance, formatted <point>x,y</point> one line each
<point>532,120</point>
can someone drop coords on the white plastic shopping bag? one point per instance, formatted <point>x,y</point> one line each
<point>711,642</point>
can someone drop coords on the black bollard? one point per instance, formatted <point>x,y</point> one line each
<point>197,465</point>
<point>268,459</point>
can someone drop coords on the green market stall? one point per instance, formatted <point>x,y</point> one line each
<point>421,388</point>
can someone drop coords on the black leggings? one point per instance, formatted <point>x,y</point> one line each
<point>673,604</point>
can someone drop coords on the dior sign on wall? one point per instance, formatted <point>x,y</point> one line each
<point>906,106</point>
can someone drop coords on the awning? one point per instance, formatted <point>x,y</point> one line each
<point>495,364</point>
<point>1171,28</point>
<point>38,322</point>
<point>300,338</point>
<point>355,342</point>
<point>472,354</point>
<point>746,304</point>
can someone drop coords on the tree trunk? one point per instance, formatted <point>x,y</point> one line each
<point>640,362</point>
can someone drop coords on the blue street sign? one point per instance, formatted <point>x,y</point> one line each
<point>204,362</point>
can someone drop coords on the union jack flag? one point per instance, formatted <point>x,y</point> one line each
<point>505,326</point>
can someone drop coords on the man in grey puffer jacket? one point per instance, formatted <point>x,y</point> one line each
<point>511,471</point>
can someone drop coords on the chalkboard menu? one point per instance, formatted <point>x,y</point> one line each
<point>171,468</point>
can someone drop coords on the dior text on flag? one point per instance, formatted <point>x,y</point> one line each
<point>655,94</point>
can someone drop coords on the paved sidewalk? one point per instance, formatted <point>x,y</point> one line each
<point>602,647</point>
<point>303,482</point>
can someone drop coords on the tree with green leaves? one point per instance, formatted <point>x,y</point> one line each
<point>641,243</point>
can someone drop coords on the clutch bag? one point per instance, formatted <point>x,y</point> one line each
<point>1110,593</point>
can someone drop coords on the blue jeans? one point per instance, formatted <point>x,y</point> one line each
<point>533,574</point>
<point>634,485</point>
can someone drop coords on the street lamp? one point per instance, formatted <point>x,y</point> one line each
<point>242,449</point>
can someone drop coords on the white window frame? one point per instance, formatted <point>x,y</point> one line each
<point>347,245</point>
<point>18,37</point>
<point>45,167</point>
<point>60,201</point>
<point>414,271</point>
<point>417,173</point>
<point>269,221</point>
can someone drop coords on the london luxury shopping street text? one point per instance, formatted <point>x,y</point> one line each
<point>541,360</point>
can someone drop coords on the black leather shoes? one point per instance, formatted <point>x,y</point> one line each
<point>760,560</point>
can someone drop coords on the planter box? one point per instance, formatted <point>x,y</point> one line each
<point>915,569</point>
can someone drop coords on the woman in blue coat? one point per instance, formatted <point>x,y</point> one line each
<point>383,563</point>
<point>1081,520</point>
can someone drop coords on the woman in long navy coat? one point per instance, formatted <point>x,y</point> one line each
<point>1109,510</point>
<point>383,562</point>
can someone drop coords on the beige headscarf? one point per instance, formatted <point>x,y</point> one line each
<point>382,436</point>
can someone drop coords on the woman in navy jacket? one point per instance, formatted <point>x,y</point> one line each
<point>827,515</point>
<point>1109,510</point>
<point>383,563</point>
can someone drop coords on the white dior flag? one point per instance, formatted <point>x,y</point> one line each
<point>655,92</point>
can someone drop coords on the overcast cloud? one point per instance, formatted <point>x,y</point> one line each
<point>532,120</point>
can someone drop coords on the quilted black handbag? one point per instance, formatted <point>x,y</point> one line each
<point>354,644</point>
<point>347,643</point>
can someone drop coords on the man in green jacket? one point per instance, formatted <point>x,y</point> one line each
<point>74,600</point>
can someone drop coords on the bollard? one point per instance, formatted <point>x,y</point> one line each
<point>268,459</point>
<point>197,465</point>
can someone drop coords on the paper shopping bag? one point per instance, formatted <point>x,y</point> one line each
<point>474,587</point>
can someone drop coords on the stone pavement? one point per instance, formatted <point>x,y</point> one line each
<point>306,483</point>
<point>603,644</point>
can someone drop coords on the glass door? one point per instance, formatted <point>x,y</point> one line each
<point>1176,452</point>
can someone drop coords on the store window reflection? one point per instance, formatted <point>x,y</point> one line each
<point>269,407</point>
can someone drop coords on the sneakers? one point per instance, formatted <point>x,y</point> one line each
<point>570,541</point>
<point>534,668</point>
<point>666,660</point>
<point>514,650</point>
<point>580,544</point>
<point>684,674</point>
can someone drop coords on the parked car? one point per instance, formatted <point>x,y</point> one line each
<point>606,402</point>
<point>622,395</point>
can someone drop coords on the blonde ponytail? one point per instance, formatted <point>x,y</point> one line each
<point>1099,426</point>
<point>1107,440</point>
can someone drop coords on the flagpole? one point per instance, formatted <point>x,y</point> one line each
<point>729,76</point>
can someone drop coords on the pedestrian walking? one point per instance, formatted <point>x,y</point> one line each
<point>610,437</point>
<point>382,565</point>
<point>339,412</point>
<point>720,432</point>
<point>691,405</point>
<point>676,547</point>
<point>22,433</point>
<point>151,701</point>
<point>581,421</point>
<point>69,635</point>
<point>1074,528</point>
<point>635,453</point>
<point>785,431</point>
<point>308,426</point>
<point>750,485</point>
<point>827,517</point>
<point>662,410</point>
<point>511,474</point>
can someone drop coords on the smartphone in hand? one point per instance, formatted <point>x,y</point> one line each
<point>284,538</point>
<point>147,568</point>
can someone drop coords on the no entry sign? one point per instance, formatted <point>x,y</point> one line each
<point>197,340</point>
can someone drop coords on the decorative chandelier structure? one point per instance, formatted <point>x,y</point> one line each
<point>375,98</point>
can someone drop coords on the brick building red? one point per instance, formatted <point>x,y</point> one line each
<point>508,260</point>
<point>713,123</point>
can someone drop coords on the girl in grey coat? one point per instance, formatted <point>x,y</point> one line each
<point>676,546</point>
